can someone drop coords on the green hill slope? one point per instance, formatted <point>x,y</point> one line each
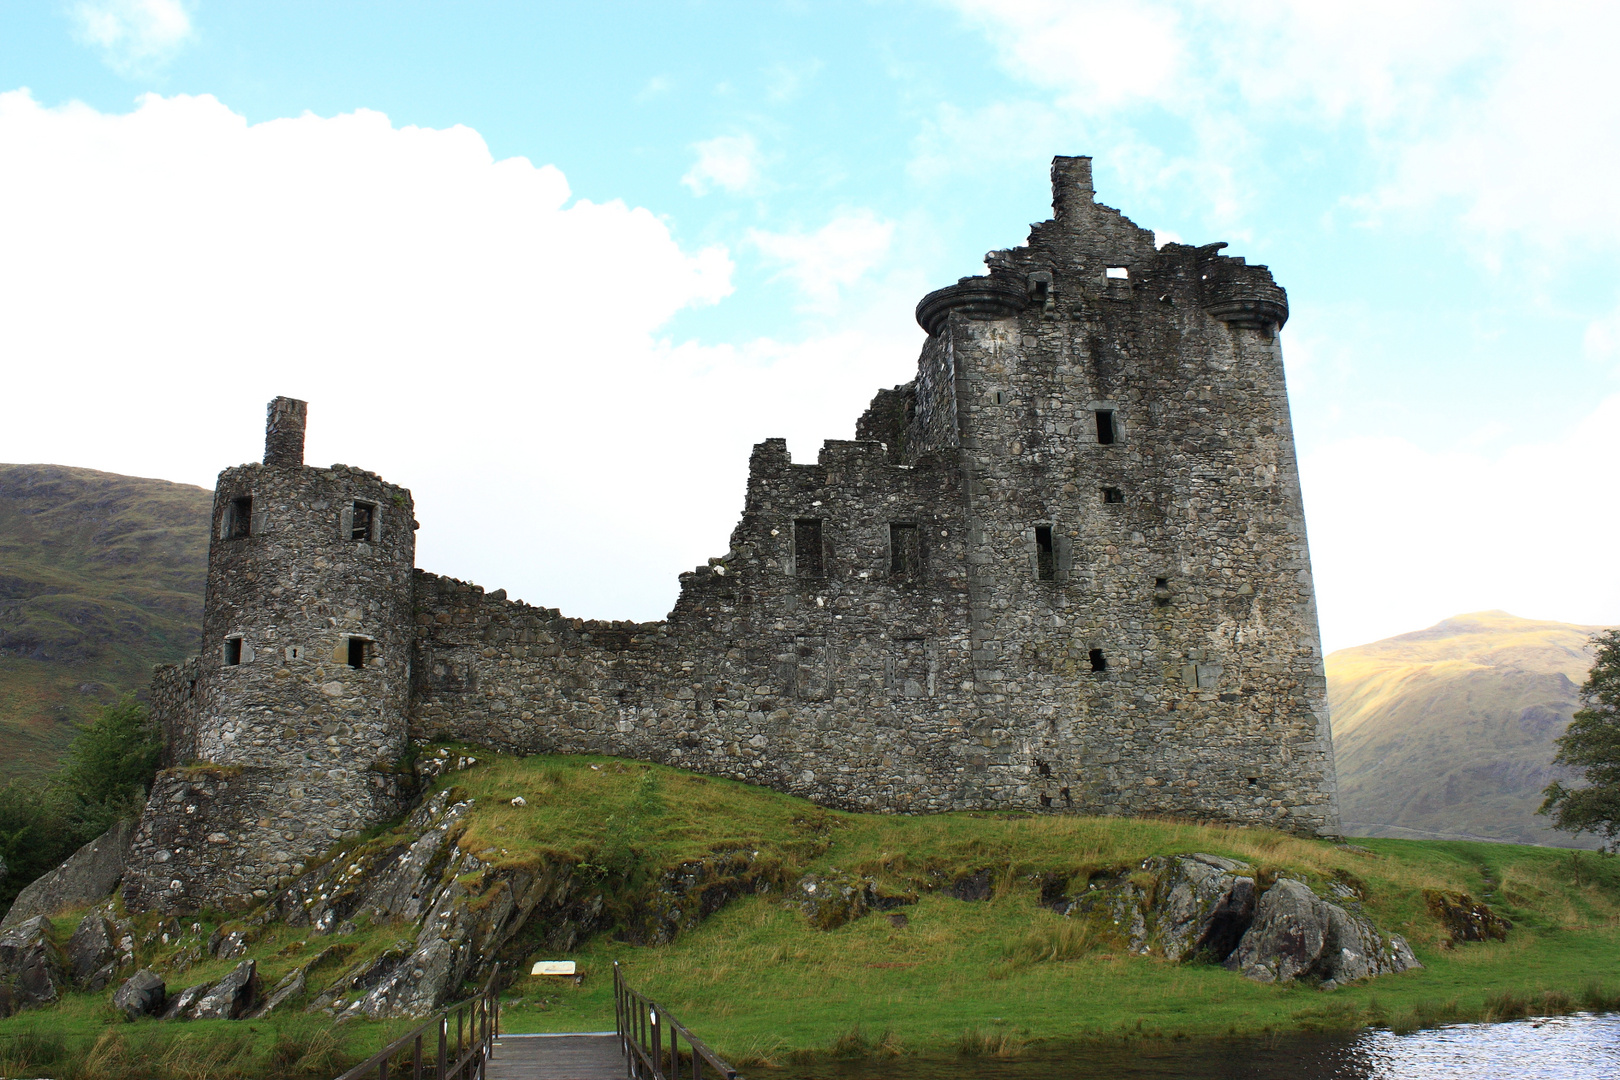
<point>1449,732</point>
<point>101,576</point>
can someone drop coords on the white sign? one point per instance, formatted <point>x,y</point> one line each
<point>553,967</point>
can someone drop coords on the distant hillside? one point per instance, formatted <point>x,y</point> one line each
<point>101,576</point>
<point>1448,732</point>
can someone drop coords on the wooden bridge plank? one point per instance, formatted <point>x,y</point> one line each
<point>558,1057</point>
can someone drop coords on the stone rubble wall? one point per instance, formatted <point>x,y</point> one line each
<point>226,837</point>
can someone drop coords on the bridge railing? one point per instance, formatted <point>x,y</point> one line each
<point>456,1040</point>
<point>650,1039</point>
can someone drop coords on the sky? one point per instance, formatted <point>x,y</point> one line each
<point>557,267</point>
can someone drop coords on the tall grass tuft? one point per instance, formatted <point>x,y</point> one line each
<point>978,1043</point>
<point>1055,939</point>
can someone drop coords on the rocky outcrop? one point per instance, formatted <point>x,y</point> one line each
<point>1465,918</point>
<point>180,1006</point>
<point>142,994</point>
<point>1298,935</point>
<point>89,875</point>
<point>230,998</point>
<point>1206,908</point>
<point>835,898</point>
<point>460,909</point>
<point>294,983</point>
<point>91,955</point>
<point>31,969</point>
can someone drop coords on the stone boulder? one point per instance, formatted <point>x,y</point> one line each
<point>31,967</point>
<point>1200,907</point>
<point>1298,935</point>
<point>91,955</point>
<point>142,994</point>
<point>89,875</point>
<point>231,997</point>
<point>179,1006</point>
<point>223,945</point>
<point>1181,906</point>
<point>1205,903</point>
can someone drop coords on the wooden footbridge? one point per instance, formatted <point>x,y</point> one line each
<point>464,1042</point>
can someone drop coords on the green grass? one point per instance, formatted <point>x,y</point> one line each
<point>1000,978</point>
<point>758,983</point>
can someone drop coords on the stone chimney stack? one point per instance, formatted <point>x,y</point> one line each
<point>1071,186</point>
<point>284,432</point>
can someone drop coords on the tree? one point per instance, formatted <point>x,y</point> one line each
<point>108,769</point>
<point>103,777</point>
<point>1592,743</point>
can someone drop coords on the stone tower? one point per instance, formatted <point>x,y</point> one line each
<point>294,715</point>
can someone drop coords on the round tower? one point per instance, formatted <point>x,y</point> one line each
<point>306,624</point>
<point>296,719</point>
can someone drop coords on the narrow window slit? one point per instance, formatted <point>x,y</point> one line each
<point>357,652</point>
<point>233,651</point>
<point>1098,661</point>
<point>1045,564</point>
<point>905,550</point>
<point>807,549</point>
<point>1107,433</point>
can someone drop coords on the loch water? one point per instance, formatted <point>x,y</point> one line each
<point>1579,1047</point>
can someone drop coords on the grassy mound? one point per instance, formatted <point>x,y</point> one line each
<point>758,982</point>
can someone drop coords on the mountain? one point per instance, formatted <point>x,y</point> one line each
<point>101,576</point>
<point>1449,732</point>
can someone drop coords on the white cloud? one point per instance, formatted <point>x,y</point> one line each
<point>832,258</point>
<point>1402,537</point>
<point>729,162</point>
<point>133,36</point>
<point>1501,115</point>
<point>460,325</point>
<point>1602,338</point>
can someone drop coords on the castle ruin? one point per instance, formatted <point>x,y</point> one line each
<point>1064,569</point>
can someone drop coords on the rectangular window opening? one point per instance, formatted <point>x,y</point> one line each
<point>807,550</point>
<point>357,652</point>
<point>1045,563</point>
<point>1118,273</point>
<point>905,550</point>
<point>1107,434</point>
<point>233,651</point>
<point>1113,495</point>
<point>360,524</point>
<point>239,517</point>
<point>1098,661</point>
